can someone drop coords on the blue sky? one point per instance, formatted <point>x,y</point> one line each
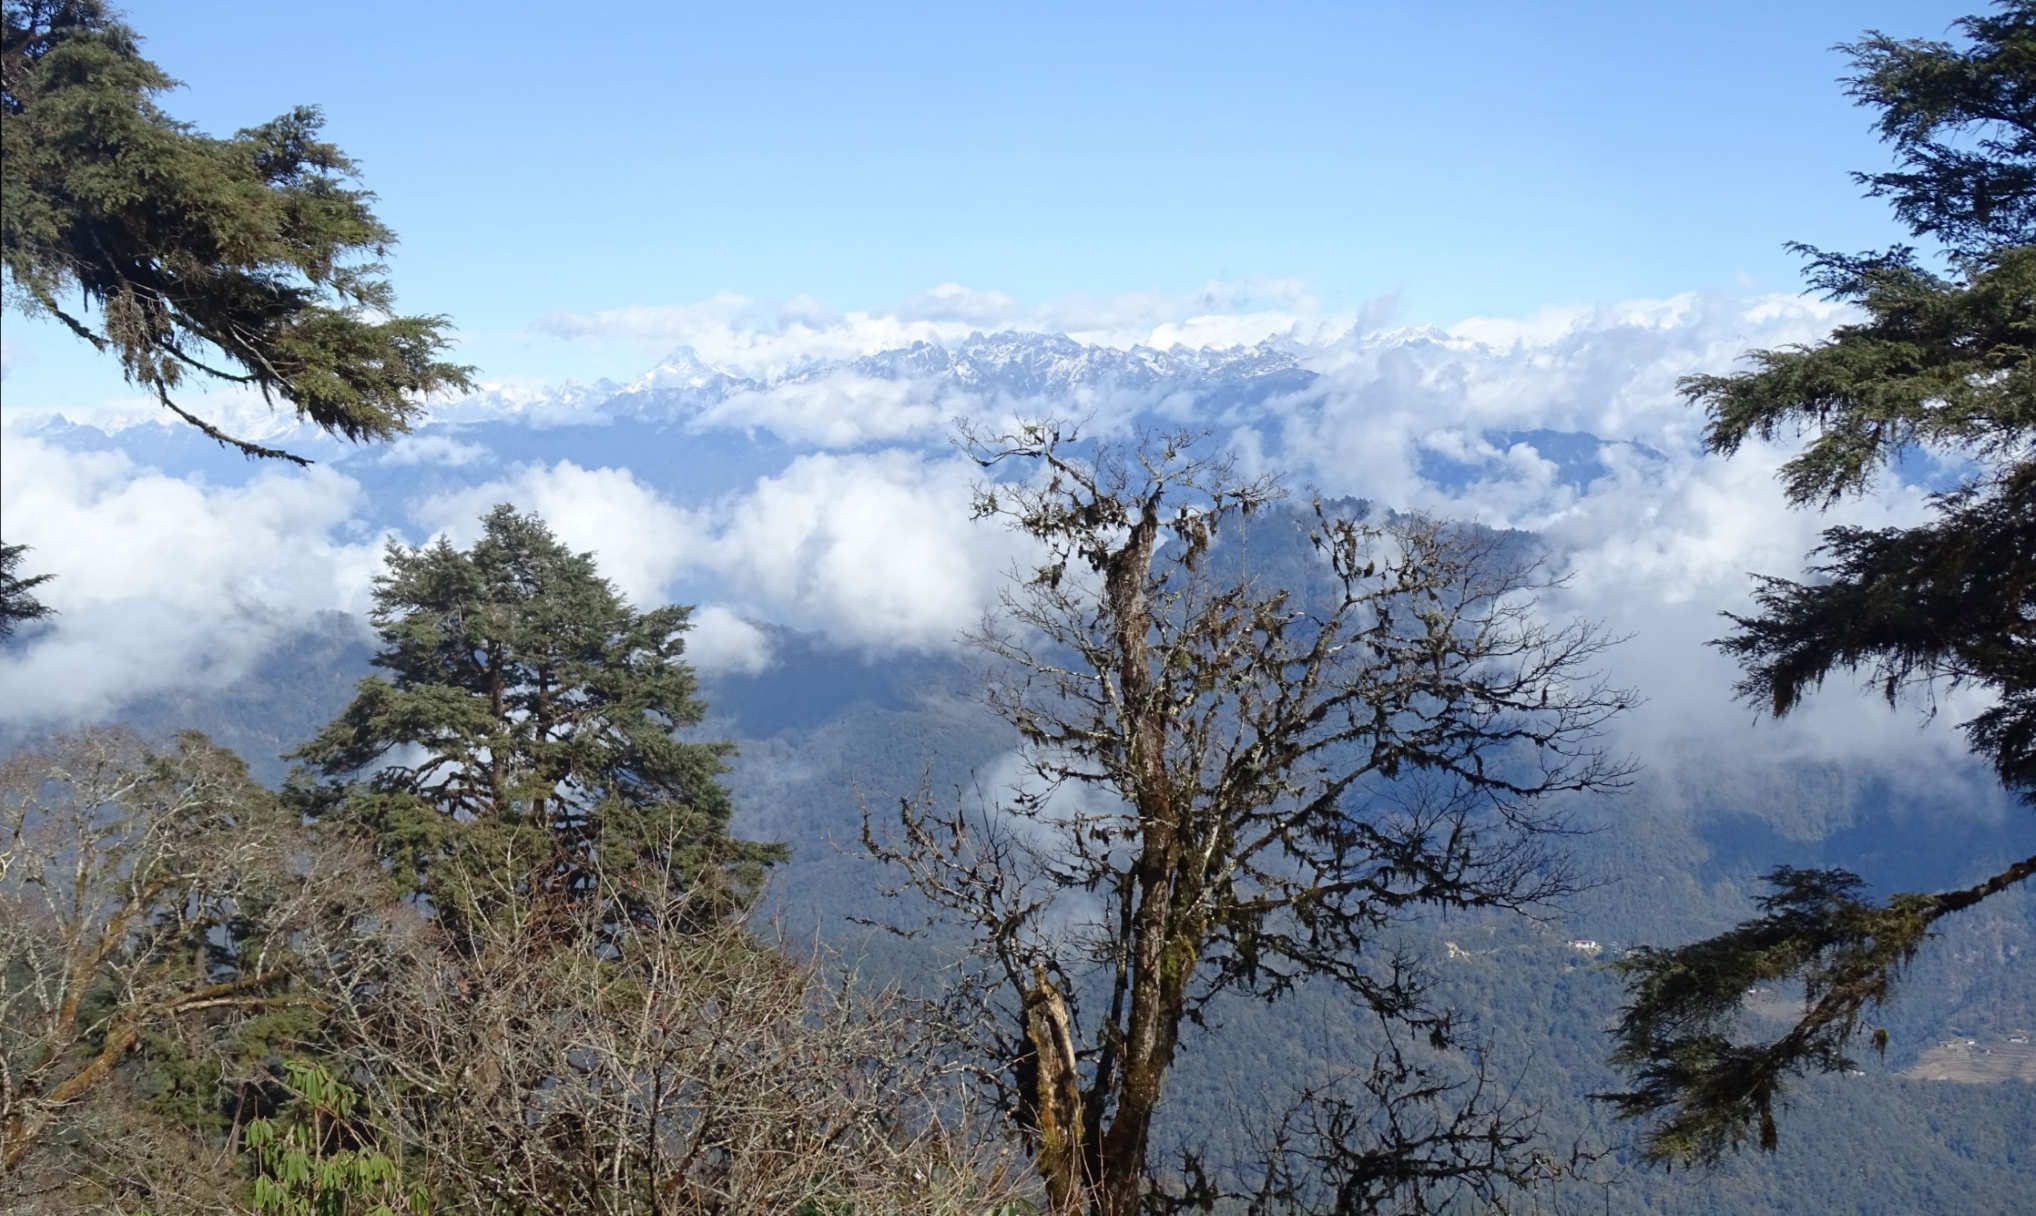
<point>1465,159</point>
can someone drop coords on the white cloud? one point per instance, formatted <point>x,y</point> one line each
<point>115,531</point>
<point>758,337</point>
<point>766,337</point>
<point>876,549</point>
<point>642,540</point>
<point>164,583</point>
<point>840,410</point>
<point>1057,811</point>
<point>1240,329</point>
<point>720,641</point>
<point>985,310</point>
<point>1658,544</point>
<point>433,449</point>
<point>1385,398</point>
<point>239,411</point>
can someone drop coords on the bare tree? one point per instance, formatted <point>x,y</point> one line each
<point>554,1055</point>
<point>144,896</point>
<point>1237,787</point>
<point>548,1059</point>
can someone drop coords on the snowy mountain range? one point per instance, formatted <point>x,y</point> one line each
<point>1007,366</point>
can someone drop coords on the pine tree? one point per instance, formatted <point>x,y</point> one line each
<point>1943,359</point>
<point>529,715</point>
<point>249,260</point>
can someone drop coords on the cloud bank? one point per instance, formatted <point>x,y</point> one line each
<point>165,583</point>
<point>848,512</point>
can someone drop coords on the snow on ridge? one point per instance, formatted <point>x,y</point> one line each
<point>840,400</point>
<point>1006,365</point>
<point>1013,365</point>
<point>1031,364</point>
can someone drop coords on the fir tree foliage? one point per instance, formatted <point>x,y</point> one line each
<point>249,260</point>
<point>529,713</point>
<point>17,598</point>
<point>1942,359</point>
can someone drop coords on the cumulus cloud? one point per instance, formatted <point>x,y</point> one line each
<point>874,549</point>
<point>642,540</point>
<point>722,642</point>
<point>1660,552</point>
<point>124,531</point>
<point>433,449</point>
<point>1384,399</point>
<point>840,410</point>
<point>165,583</point>
<point>1660,539</point>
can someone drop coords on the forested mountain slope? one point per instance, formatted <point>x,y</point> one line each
<point>824,732</point>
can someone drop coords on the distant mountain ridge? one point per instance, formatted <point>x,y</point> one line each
<point>1007,365</point>
<point>740,424</point>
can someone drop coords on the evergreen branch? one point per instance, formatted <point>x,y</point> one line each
<point>76,326</point>
<point>1959,901</point>
<point>1941,362</point>
<point>247,448</point>
<point>1707,1091</point>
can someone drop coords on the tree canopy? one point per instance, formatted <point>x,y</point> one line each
<point>529,711</point>
<point>248,260</point>
<point>1942,359</point>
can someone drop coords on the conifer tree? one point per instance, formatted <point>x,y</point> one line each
<point>17,598</point>
<point>249,260</point>
<point>1943,359</point>
<point>528,718</point>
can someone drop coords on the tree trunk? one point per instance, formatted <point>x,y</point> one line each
<point>1151,1034</point>
<point>1152,1028</point>
<point>1061,1155</point>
